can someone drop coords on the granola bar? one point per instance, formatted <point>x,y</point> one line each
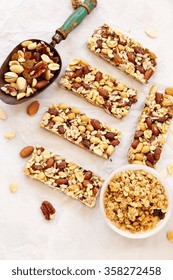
<point>125,53</point>
<point>152,128</point>
<point>98,88</point>
<point>83,131</point>
<point>61,174</point>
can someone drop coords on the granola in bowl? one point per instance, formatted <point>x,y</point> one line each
<point>135,201</point>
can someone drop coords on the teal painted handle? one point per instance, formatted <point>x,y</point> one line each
<point>77,17</point>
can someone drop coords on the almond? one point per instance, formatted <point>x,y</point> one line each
<point>33,108</point>
<point>26,152</point>
<point>41,84</point>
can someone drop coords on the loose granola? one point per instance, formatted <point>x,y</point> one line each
<point>125,53</point>
<point>98,88</point>
<point>135,201</point>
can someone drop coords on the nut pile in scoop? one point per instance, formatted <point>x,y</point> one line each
<point>30,69</point>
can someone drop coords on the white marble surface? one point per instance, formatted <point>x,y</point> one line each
<point>77,232</point>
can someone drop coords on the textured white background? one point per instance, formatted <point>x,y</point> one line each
<point>77,232</point>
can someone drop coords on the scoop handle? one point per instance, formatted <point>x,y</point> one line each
<point>82,10</point>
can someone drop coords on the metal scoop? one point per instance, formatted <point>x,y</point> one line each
<point>82,10</point>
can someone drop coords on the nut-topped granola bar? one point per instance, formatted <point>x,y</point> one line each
<point>61,174</point>
<point>98,88</point>
<point>152,128</point>
<point>83,131</point>
<point>125,53</point>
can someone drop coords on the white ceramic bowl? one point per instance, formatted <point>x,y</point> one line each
<point>159,225</point>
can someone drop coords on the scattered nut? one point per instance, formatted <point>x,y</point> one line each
<point>170,169</point>
<point>151,32</point>
<point>164,173</point>
<point>10,135</point>
<point>48,210</point>
<point>26,151</point>
<point>33,108</point>
<point>13,187</point>
<point>170,236</point>
<point>3,114</point>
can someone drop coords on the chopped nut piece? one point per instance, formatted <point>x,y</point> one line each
<point>3,114</point>
<point>170,236</point>
<point>99,89</point>
<point>10,135</point>
<point>83,131</point>
<point>13,187</point>
<point>135,201</point>
<point>61,174</point>
<point>170,169</point>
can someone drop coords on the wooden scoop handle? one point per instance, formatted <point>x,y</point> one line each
<point>82,10</point>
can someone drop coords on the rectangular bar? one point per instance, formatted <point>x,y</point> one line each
<point>98,88</point>
<point>123,52</point>
<point>152,128</point>
<point>83,131</point>
<point>61,174</point>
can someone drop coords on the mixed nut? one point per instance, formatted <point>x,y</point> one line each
<point>30,69</point>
